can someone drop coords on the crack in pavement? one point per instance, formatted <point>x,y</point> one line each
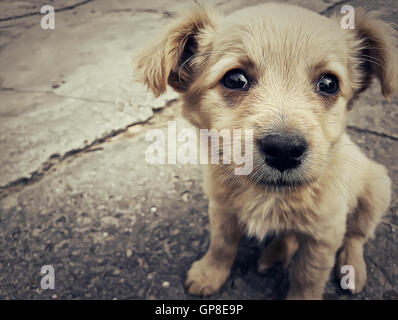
<point>50,92</point>
<point>372,132</point>
<point>35,13</point>
<point>56,160</point>
<point>165,13</point>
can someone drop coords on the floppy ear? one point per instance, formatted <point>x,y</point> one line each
<point>168,60</point>
<point>376,51</point>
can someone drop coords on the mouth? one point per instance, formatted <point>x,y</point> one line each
<point>283,181</point>
<point>282,184</point>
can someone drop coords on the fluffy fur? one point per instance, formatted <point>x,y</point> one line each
<point>336,198</point>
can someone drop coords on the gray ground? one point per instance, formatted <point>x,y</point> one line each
<point>75,190</point>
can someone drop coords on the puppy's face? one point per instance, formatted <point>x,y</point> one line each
<point>285,72</point>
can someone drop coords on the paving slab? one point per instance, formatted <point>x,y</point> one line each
<point>74,87</point>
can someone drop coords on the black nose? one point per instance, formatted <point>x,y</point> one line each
<point>283,151</point>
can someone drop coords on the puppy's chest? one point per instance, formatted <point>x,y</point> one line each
<point>262,214</point>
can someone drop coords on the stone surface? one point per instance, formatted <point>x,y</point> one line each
<point>11,9</point>
<point>372,103</point>
<point>74,87</point>
<point>112,225</point>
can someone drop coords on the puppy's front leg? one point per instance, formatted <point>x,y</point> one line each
<point>311,270</point>
<point>208,274</point>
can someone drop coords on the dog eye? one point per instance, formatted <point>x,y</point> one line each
<point>328,85</point>
<point>236,80</point>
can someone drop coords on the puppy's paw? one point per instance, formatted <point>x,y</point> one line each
<point>353,256</point>
<point>204,279</point>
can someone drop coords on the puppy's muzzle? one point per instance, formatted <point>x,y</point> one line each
<point>285,151</point>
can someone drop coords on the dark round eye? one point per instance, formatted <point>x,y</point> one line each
<point>236,80</point>
<point>328,85</point>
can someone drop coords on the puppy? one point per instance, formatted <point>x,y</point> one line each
<point>290,75</point>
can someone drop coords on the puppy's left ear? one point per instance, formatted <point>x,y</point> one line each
<point>169,59</point>
<point>376,51</point>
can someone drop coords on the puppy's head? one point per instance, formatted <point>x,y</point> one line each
<point>283,71</point>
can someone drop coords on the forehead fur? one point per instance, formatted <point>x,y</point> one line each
<point>273,30</point>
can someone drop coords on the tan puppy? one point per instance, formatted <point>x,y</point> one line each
<point>289,74</point>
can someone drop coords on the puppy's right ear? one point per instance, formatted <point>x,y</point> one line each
<point>160,63</point>
<point>377,51</point>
